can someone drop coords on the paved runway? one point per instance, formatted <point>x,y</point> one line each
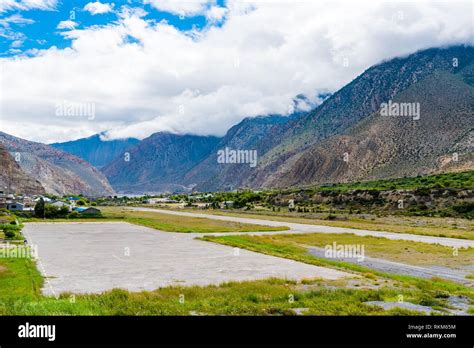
<point>83,257</point>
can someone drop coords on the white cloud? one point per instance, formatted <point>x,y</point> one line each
<point>98,8</point>
<point>7,29</point>
<point>16,43</point>
<point>14,51</point>
<point>15,19</point>
<point>145,76</point>
<point>24,5</point>
<point>181,7</point>
<point>216,13</point>
<point>67,25</point>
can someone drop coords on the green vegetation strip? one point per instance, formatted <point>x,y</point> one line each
<point>170,223</point>
<point>282,248</point>
<point>436,227</point>
<point>20,284</point>
<point>415,253</point>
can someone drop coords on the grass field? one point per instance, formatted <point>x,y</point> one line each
<point>294,251</point>
<point>20,285</point>
<point>170,223</point>
<point>438,227</point>
<point>409,252</point>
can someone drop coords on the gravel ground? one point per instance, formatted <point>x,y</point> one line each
<point>94,257</point>
<point>401,268</point>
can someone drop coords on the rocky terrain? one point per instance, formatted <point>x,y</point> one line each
<point>389,147</point>
<point>311,149</point>
<point>393,201</point>
<point>13,179</point>
<point>159,163</point>
<point>57,171</point>
<point>251,133</point>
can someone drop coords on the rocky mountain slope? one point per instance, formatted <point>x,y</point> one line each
<point>428,74</point>
<point>95,150</point>
<point>58,172</point>
<point>159,163</point>
<point>13,179</point>
<point>249,134</point>
<point>345,138</point>
<point>396,146</point>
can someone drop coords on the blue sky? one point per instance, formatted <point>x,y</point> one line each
<point>38,27</point>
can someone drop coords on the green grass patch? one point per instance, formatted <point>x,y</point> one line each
<point>292,250</point>
<point>20,284</point>
<point>436,227</point>
<point>410,252</point>
<point>169,223</point>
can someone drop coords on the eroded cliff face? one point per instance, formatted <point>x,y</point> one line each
<point>57,171</point>
<point>13,179</point>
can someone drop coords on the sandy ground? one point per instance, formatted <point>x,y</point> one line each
<point>306,228</point>
<point>95,257</point>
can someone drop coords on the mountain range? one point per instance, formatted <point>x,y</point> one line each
<point>348,137</point>
<point>426,78</point>
<point>158,163</point>
<point>96,151</point>
<point>41,168</point>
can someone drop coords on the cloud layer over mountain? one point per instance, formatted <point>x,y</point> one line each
<point>140,76</point>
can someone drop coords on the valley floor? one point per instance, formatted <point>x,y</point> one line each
<point>114,267</point>
<point>96,257</point>
<point>312,228</point>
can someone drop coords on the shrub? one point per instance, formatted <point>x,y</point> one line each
<point>10,231</point>
<point>73,215</point>
<point>9,234</point>
<point>464,208</point>
<point>423,191</point>
<point>52,212</point>
<point>4,211</point>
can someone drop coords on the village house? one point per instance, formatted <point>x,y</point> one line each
<point>16,206</point>
<point>72,201</point>
<point>201,205</point>
<point>60,204</point>
<point>226,204</point>
<point>87,210</point>
<point>45,199</point>
<point>160,200</point>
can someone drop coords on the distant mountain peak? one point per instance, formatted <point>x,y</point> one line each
<point>95,149</point>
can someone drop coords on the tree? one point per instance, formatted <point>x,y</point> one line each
<point>52,212</point>
<point>39,208</point>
